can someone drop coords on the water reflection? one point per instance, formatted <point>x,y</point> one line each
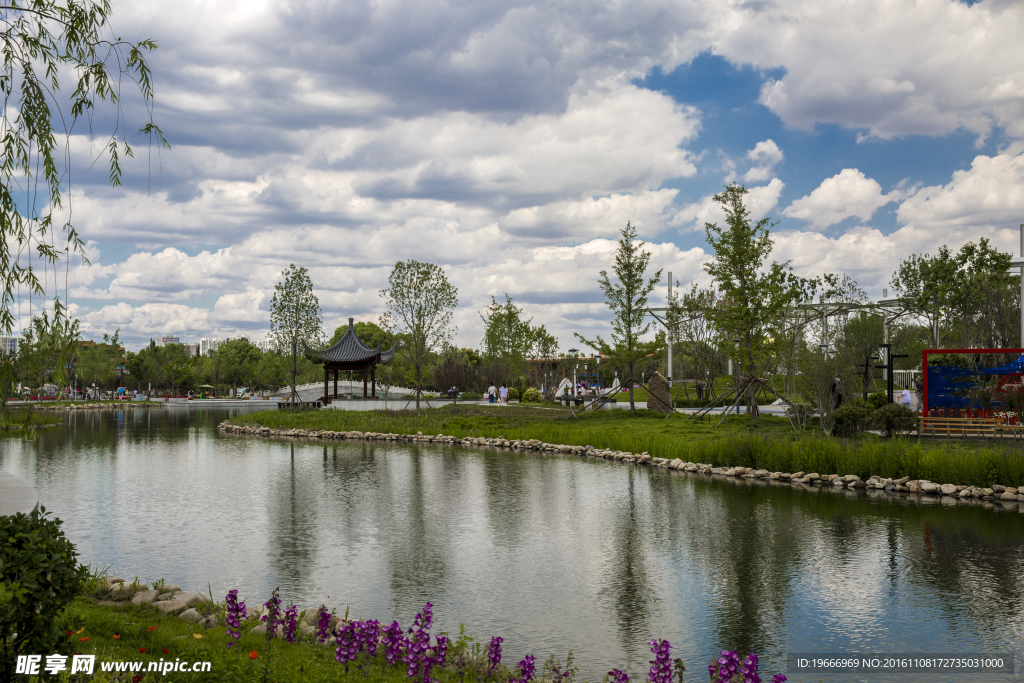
<point>551,553</point>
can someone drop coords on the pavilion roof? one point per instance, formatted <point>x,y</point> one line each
<point>351,349</point>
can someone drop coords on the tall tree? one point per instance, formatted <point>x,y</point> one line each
<point>45,42</point>
<point>690,318</point>
<point>755,297</point>
<point>507,339</point>
<point>627,298</point>
<point>238,361</point>
<point>296,320</point>
<point>420,303</point>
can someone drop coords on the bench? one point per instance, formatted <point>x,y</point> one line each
<point>964,427</point>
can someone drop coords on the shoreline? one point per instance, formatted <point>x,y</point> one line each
<point>1007,497</point>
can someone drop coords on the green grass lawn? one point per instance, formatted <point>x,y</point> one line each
<point>141,633</point>
<point>767,443</point>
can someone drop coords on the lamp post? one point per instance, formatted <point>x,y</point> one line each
<point>824,350</point>
<point>739,404</point>
<point>574,353</point>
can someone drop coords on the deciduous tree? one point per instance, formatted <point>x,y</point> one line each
<point>627,298</point>
<point>420,303</point>
<point>296,321</point>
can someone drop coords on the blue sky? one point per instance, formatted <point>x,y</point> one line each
<point>509,142</point>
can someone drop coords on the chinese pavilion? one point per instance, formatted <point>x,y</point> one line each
<point>350,353</point>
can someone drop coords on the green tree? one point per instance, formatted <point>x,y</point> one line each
<point>420,303</point>
<point>370,333</point>
<point>755,297</point>
<point>508,338</point>
<point>968,297</point>
<point>238,361</point>
<point>45,41</point>
<point>295,317</point>
<point>175,366</point>
<point>628,301</point>
<point>98,363</point>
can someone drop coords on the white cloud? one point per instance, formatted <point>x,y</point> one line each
<point>988,195</point>
<point>848,193</point>
<point>760,201</point>
<point>766,155</point>
<point>892,67</point>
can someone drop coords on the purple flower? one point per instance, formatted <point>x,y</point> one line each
<point>323,622</point>
<point>494,653</point>
<point>778,678</point>
<point>273,606</point>
<point>291,623</point>
<point>527,669</point>
<point>367,636</point>
<point>416,645</point>
<point>661,665</point>
<point>234,615</point>
<point>617,676</point>
<point>749,669</point>
<point>723,668</point>
<point>394,643</point>
<point>346,650</point>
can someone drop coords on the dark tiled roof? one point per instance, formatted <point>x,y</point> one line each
<point>350,349</point>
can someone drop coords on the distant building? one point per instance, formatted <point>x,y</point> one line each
<point>8,345</point>
<point>265,345</point>
<point>191,348</point>
<point>207,345</point>
<point>168,339</point>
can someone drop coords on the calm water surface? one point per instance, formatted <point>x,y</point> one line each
<point>551,553</point>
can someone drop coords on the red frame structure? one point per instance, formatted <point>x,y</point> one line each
<point>924,367</point>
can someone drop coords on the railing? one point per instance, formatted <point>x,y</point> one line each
<point>965,427</point>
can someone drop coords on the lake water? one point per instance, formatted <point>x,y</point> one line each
<point>551,553</point>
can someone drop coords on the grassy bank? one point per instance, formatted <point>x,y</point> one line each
<point>122,632</point>
<point>768,443</point>
<point>20,420</point>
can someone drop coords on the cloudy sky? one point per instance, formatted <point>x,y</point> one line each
<point>510,141</point>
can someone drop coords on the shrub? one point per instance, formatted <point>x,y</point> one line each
<point>892,419</point>
<point>513,393</point>
<point>468,396</point>
<point>877,400</point>
<point>850,420</point>
<point>39,576</point>
<point>532,396</point>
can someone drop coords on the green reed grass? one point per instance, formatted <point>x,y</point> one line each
<point>768,443</point>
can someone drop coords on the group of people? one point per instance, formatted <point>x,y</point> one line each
<point>497,395</point>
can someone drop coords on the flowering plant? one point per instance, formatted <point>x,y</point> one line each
<point>661,665</point>
<point>234,614</point>
<point>494,653</point>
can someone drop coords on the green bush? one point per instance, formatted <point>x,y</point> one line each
<point>850,420</point>
<point>468,396</point>
<point>39,577</point>
<point>877,400</point>
<point>892,419</point>
<point>513,393</point>
<point>532,396</point>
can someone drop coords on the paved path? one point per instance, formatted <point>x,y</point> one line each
<point>16,494</point>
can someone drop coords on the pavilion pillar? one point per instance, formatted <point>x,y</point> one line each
<point>373,380</point>
<point>335,382</point>
<point>326,391</point>
<point>364,381</point>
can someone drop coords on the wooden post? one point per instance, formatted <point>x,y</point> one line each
<point>373,379</point>
<point>335,382</point>
<point>326,388</point>
<point>364,381</point>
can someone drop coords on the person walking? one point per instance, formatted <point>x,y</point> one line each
<point>905,398</point>
<point>492,393</point>
<point>503,393</point>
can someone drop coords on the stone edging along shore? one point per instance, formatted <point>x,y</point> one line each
<point>171,600</point>
<point>1008,496</point>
